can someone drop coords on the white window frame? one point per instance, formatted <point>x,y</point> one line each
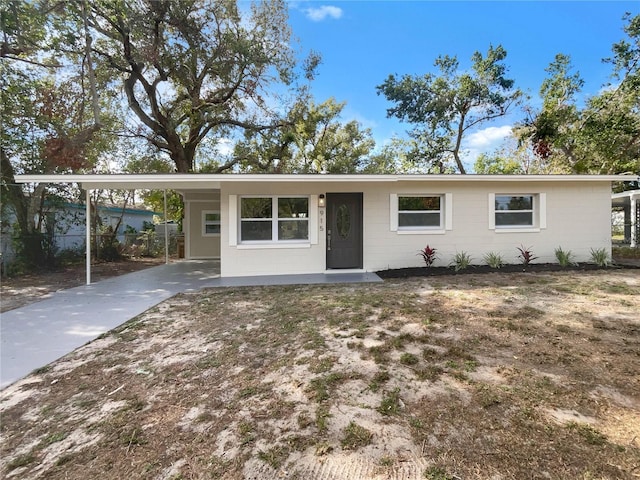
<point>274,222</point>
<point>206,223</point>
<point>446,214</point>
<point>538,217</point>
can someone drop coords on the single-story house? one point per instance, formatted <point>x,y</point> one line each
<point>300,224</point>
<point>629,201</point>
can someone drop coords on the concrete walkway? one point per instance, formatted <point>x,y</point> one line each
<point>37,334</point>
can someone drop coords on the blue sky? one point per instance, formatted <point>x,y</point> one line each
<point>362,42</point>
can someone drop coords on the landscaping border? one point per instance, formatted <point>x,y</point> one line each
<point>511,268</point>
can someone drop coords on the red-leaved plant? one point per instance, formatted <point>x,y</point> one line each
<point>526,255</point>
<point>429,255</point>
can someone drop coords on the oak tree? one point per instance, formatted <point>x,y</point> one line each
<point>600,135</point>
<point>447,105</point>
<point>315,140</point>
<point>196,70</point>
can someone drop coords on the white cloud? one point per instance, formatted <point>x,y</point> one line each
<point>321,13</point>
<point>483,141</point>
<point>488,137</point>
<point>349,114</point>
<point>224,146</point>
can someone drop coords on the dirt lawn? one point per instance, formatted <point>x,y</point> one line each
<point>496,376</point>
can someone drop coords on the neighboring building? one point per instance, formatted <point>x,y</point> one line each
<point>296,224</point>
<point>68,221</point>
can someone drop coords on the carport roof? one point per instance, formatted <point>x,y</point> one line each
<point>624,198</point>
<point>194,181</point>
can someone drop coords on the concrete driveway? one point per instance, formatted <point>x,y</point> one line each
<point>37,334</point>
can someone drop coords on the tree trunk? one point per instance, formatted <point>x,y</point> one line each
<point>456,150</point>
<point>30,248</point>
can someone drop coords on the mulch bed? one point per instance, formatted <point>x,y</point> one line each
<point>512,268</point>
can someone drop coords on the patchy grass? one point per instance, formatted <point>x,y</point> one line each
<point>355,436</point>
<point>391,403</point>
<point>501,375</point>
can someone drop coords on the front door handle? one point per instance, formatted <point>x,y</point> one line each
<point>328,240</point>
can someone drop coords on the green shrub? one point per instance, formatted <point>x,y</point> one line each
<point>494,260</point>
<point>600,257</point>
<point>564,258</point>
<point>461,260</point>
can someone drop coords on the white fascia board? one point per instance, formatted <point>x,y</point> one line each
<point>518,178</point>
<point>628,193</point>
<point>623,199</point>
<point>186,181</point>
<point>128,182</point>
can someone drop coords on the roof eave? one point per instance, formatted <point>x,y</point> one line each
<point>177,181</point>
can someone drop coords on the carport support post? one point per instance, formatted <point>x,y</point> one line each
<point>88,240</point>
<point>634,219</point>
<point>166,231</point>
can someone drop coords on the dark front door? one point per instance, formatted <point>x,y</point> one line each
<point>344,230</point>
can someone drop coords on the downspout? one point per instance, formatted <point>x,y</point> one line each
<point>88,233</point>
<point>166,231</point>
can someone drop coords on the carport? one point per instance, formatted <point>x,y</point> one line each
<point>630,203</point>
<point>164,182</point>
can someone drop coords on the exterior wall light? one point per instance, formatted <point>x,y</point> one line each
<point>321,200</point>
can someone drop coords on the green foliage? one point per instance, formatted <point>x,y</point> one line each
<point>408,359</point>
<point>565,259</point>
<point>496,165</point>
<point>175,206</point>
<point>149,244</point>
<point>355,436</point>
<point>21,461</point>
<point>444,107</point>
<point>315,141</point>
<point>588,433</point>
<point>437,473</point>
<point>379,379</point>
<point>322,418</point>
<point>34,250</point>
<point>600,257</point>
<point>494,260</point>
<point>512,158</point>
<point>274,456</point>
<point>599,137</point>
<point>391,403</point>
<point>108,247</point>
<point>229,60</point>
<point>461,261</point>
<point>321,387</point>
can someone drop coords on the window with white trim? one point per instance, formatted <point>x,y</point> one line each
<point>274,219</point>
<point>210,223</point>
<point>514,211</point>
<point>517,212</point>
<point>417,212</point>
